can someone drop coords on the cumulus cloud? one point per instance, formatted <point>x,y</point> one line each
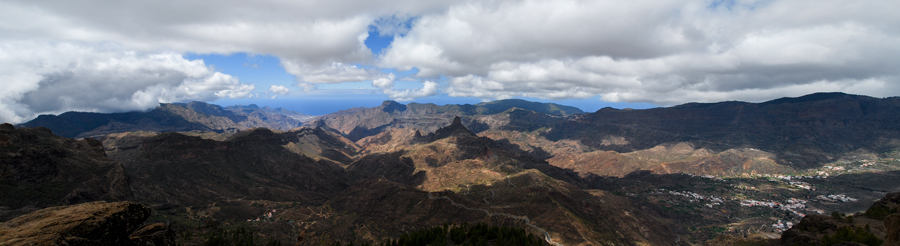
<point>659,51</point>
<point>56,77</point>
<point>386,84</point>
<point>279,89</point>
<point>317,32</point>
<point>664,52</point>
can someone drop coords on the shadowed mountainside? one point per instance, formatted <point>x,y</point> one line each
<point>172,168</point>
<point>39,169</point>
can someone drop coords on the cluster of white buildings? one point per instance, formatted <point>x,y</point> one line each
<point>802,185</point>
<point>792,205</point>
<point>837,198</point>
<point>782,226</point>
<point>694,197</point>
<point>712,177</point>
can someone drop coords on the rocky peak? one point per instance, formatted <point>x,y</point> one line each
<point>391,106</point>
<point>454,129</point>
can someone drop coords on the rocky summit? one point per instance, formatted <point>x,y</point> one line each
<point>814,170</point>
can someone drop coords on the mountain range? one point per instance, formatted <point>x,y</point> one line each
<point>722,173</point>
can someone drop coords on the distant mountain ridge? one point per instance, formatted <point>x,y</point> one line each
<point>786,134</point>
<point>357,123</point>
<point>804,132</point>
<point>169,117</point>
<point>200,116</point>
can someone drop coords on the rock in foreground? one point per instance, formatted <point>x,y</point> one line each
<point>95,223</point>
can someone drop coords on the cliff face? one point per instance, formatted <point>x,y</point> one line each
<point>39,169</point>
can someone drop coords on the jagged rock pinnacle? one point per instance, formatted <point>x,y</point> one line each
<point>455,128</point>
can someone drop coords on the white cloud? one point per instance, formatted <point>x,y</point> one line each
<point>317,32</point>
<point>655,51</point>
<point>386,84</point>
<point>658,51</point>
<point>56,77</point>
<point>279,89</point>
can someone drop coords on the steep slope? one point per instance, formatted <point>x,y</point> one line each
<point>39,169</point>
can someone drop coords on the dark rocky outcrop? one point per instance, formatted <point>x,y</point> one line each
<point>863,229</point>
<point>890,204</point>
<point>456,128</point>
<point>811,229</point>
<point>95,223</point>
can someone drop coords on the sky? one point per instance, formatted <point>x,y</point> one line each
<point>317,57</point>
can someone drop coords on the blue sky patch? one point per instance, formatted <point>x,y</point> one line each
<point>260,70</point>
